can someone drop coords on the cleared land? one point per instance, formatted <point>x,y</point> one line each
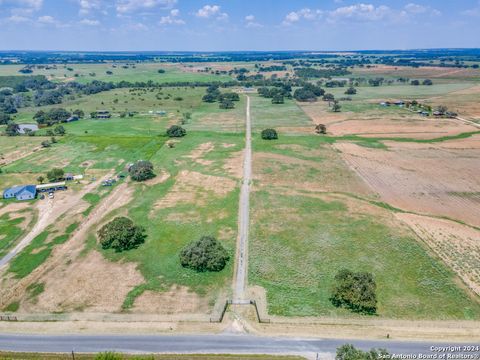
<point>310,225</point>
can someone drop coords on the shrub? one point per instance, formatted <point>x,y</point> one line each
<point>321,129</point>
<point>355,291</point>
<point>56,173</point>
<point>227,104</point>
<point>349,352</point>
<point>121,234</point>
<point>269,134</point>
<point>351,91</point>
<point>206,254</point>
<point>176,131</point>
<point>141,171</point>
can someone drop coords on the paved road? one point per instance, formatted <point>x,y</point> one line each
<point>196,344</point>
<point>244,212</point>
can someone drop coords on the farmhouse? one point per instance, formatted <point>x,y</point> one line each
<point>21,192</point>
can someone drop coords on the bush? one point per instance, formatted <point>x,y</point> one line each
<point>349,352</point>
<point>141,171</point>
<point>227,104</point>
<point>355,291</point>
<point>269,134</point>
<point>206,254</point>
<point>55,174</point>
<point>108,356</point>
<point>351,91</point>
<point>176,131</point>
<point>121,234</point>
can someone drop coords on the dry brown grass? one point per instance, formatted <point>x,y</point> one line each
<point>427,178</point>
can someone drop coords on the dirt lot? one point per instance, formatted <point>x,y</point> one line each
<point>439,179</point>
<point>378,123</point>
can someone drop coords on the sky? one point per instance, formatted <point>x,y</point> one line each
<point>237,25</point>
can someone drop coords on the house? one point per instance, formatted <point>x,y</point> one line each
<point>21,192</point>
<point>103,114</point>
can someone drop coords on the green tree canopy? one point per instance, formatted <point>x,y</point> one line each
<point>206,254</point>
<point>269,134</point>
<point>176,131</point>
<point>356,291</point>
<point>141,170</point>
<point>121,234</point>
<point>55,174</point>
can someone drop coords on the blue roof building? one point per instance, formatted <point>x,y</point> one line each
<point>22,192</point>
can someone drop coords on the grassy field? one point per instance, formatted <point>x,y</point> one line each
<point>169,228</point>
<point>13,227</point>
<point>141,72</point>
<point>264,114</point>
<point>301,237</point>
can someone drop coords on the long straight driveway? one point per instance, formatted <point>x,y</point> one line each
<point>244,213</point>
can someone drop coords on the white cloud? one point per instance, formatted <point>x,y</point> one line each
<point>360,12</point>
<point>17,19</point>
<point>209,11</point>
<point>47,19</point>
<point>472,12</point>
<point>172,19</point>
<point>87,6</point>
<point>90,22</point>
<point>128,6</point>
<point>23,7</point>
<point>306,13</point>
<point>416,9</point>
<point>250,22</point>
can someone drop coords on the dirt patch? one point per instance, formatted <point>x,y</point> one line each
<point>93,282</point>
<point>425,178</point>
<point>14,207</point>
<point>160,178</point>
<point>234,165</point>
<point>174,301</point>
<point>198,154</point>
<point>195,188</point>
<point>420,128</point>
<point>456,244</point>
<point>228,146</point>
<point>68,254</point>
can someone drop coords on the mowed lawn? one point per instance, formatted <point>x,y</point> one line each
<point>301,238</point>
